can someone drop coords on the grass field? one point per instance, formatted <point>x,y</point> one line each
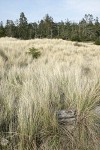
<point>30,91</point>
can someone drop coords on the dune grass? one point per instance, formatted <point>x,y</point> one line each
<point>30,91</point>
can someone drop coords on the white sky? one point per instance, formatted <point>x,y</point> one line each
<point>35,10</point>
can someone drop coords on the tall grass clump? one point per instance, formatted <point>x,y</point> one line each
<point>31,96</point>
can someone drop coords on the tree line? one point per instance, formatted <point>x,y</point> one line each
<point>88,29</point>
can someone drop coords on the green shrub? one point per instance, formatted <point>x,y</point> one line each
<point>77,44</point>
<point>75,38</point>
<point>34,52</point>
<point>97,42</point>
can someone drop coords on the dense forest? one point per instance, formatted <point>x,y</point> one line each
<point>88,29</point>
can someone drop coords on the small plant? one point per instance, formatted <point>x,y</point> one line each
<point>77,44</point>
<point>75,38</point>
<point>34,52</point>
<point>97,42</point>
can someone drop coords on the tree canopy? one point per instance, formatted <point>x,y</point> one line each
<point>88,28</point>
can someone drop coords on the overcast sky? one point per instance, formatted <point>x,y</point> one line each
<point>35,10</point>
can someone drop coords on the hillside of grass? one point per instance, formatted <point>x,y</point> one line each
<point>31,89</point>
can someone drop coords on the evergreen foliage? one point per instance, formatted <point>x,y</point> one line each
<point>88,29</point>
<point>97,41</point>
<point>34,52</point>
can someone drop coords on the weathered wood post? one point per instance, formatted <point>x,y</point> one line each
<point>66,123</point>
<point>66,117</point>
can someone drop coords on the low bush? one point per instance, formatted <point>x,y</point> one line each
<point>34,52</point>
<point>75,38</point>
<point>97,42</point>
<point>77,44</point>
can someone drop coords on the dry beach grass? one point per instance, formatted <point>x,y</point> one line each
<point>30,91</point>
